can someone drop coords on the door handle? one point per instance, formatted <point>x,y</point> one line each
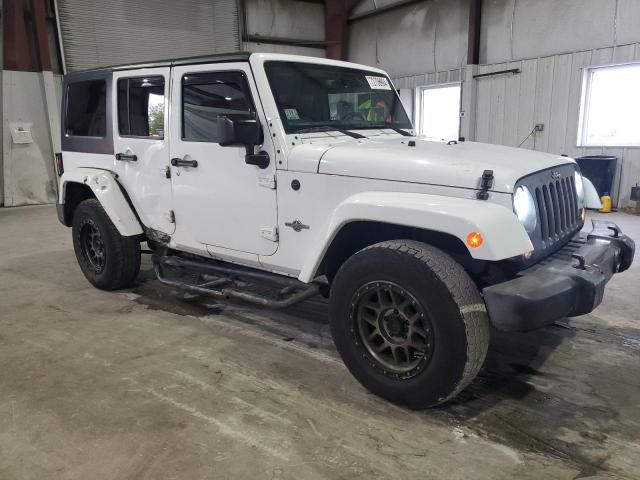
<point>126,157</point>
<point>179,162</point>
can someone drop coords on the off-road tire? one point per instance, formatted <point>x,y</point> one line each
<point>121,262</point>
<point>451,302</point>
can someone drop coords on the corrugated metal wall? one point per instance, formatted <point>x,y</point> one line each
<point>97,33</point>
<point>549,91</point>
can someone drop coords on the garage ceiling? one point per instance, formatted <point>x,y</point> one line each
<point>96,33</point>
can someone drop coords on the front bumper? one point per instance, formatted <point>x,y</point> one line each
<point>568,283</point>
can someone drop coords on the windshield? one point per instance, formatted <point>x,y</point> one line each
<point>312,96</point>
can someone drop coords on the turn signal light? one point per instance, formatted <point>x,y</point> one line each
<point>583,214</point>
<point>474,239</point>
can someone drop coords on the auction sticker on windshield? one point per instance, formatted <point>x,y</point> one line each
<point>378,83</point>
<point>291,114</point>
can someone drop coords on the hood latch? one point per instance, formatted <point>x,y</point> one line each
<point>486,182</point>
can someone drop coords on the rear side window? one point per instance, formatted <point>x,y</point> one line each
<point>87,109</point>
<point>141,107</point>
<point>205,96</point>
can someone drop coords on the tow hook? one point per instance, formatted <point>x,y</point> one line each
<point>581,261</point>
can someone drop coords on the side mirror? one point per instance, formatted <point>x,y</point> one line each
<point>239,131</point>
<point>243,131</point>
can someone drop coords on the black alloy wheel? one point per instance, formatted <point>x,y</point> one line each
<point>92,246</point>
<point>393,327</point>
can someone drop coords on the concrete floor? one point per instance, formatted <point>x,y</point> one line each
<point>151,383</point>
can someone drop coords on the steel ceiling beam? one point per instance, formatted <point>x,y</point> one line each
<point>385,9</point>
<point>473,34</point>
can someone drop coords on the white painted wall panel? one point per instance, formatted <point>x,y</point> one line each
<point>519,29</point>
<point>451,34</point>
<point>389,40</point>
<point>28,168</point>
<point>545,27</point>
<point>285,18</point>
<point>496,31</point>
<point>497,127</point>
<point>510,134</point>
<point>560,94</point>
<point>423,37</point>
<point>543,96</point>
<point>525,101</point>
<point>627,29</point>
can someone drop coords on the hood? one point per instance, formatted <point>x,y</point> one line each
<point>436,163</point>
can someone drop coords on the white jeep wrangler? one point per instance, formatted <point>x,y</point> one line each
<point>273,178</point>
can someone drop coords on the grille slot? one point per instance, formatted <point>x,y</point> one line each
<point>542,213</point>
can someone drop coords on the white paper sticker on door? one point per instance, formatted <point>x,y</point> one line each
<point>378,83</point>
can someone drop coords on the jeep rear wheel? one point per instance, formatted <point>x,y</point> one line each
<point>107,259</point>
<point>408,322</point>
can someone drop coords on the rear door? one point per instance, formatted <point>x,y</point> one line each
<point>221,203</point>
<point>140,103</point>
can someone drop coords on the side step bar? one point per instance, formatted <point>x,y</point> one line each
<point>221,280</point>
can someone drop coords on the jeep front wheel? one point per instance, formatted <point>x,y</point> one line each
<point>408,322</point>
<point>107,259</point>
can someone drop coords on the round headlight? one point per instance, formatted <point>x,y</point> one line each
<point>525,208</point>
<point>579,187</point>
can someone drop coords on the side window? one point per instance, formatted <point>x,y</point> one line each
<point>141,107</point>
<point>205,96</point>
<point>86,109</point>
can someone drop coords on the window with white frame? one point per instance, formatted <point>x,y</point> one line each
<point>438,111</point>
<point>610,106</point>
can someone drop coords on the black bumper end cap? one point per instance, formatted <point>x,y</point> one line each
<point>60,211</point>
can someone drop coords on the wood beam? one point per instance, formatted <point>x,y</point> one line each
<point>26,40</point>
<point>16,51</point>
<point>39,13</point>
<point>336,27</point>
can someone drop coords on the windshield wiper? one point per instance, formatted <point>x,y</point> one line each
<point>395,129</point>
<point>328,128</point>
<point>401,132</point>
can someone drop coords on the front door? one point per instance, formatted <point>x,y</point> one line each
<point>140,102</point>
<point>221,204</point>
